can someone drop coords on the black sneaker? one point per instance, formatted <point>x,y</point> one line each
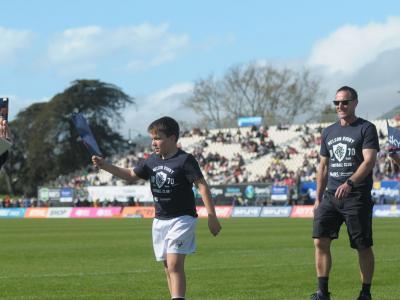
<point>364,296</point>
<point>317,296</point>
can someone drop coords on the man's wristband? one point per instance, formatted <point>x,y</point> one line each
<point>350,183</point>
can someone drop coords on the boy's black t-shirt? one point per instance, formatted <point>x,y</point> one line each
<point>171,182</point>
<point>343,145</point>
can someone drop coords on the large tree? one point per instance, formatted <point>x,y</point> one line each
<point>46,143</point>
<point>277,95</point>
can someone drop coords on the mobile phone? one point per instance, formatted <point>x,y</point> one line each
<point>4,108</point>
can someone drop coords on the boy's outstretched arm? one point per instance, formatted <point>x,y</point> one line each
<point>213,223</point>
<point>123,173</point>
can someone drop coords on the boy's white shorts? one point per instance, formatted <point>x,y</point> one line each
<point>174,236</point>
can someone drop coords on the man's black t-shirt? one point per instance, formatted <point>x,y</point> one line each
<point>171,182</point>
<point>343,145</point>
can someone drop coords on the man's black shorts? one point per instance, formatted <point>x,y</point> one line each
<point>355,210</point>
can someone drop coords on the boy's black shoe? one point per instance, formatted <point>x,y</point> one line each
<point>317,296</point>
<point>364,296</point>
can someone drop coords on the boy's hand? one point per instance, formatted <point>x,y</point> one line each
<point>213,225</point>
<point>98,161</point>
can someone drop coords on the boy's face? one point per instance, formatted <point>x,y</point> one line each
<point>162,144</point>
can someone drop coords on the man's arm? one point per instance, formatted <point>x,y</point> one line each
<point>322,179</point>
<point>204,190</point>
<point>123,173</point>
<point>363,170</point>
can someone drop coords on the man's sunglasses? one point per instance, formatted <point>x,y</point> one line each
<point>344,102</point>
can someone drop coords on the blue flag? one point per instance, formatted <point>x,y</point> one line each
<point>85,133</point>
<point>393,138</point>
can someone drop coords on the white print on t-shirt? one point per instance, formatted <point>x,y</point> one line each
<point>161,177</point>
<point>341,139</point>
<point>339,150</point>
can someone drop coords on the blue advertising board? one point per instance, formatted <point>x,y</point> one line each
<point>279,193</point>
<point>309,188</point>
<point>249,121</point>
<point>387,211</point>
<point>12,212</point>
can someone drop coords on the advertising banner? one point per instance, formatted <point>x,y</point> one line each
<point>302,211</point>
<point>141,193</point>
<point>66,195</point>
<point>43,194</point>
<point>249,121</point>
<point>279,193</point>
<point>12,212</point>
<point>221,211</point>
<point>309,188</point>
<point>388,189</point>
<point>92,212</point>
<point>246,211</point>
<point>138,212</point>
<point>36,212</point>
<point>221,193</point>
<point>387,211</point>
<point>276,211</point>
<point>59,212</point>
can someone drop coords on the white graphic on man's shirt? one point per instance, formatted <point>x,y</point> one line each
<point>339,150</point>
<point>161,177</point>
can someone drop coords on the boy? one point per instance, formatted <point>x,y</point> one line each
<point>172,173</point>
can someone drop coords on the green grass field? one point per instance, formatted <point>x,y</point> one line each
<point>251,259</point>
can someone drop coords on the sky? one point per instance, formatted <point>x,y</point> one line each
<point>156,50</point>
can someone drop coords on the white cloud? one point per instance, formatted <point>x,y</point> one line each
<point>167,102</point>
<point>351,47</point>
<point>13,40</point>
<point>136,47</point>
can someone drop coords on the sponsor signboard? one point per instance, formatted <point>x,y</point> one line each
<point>36,212</point>
<point>389,189</point>
<point>279,193</point>
<point>43,194</point>
<point>302,211</point>
<point>249,121</point>
<point>310,188</point>
<point>246,211</point>
<point>66,195</point>
<point>233,191</point>
<point>141,193</point>
<point>387,211</point>
<point>93,212</point>
<point>12,212</point>
<point>221,211</point>
<point>138,212</point>
<point>221,193</point>
<point>276,211</point>
<point>59,212</point>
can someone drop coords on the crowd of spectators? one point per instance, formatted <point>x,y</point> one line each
<point>256,141</point>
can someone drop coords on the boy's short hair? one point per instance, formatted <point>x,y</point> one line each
<point>350,90</point>
<point>166,125</point>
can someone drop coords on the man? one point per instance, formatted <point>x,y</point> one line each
<point>4,134</point>
<point>344,183</point>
